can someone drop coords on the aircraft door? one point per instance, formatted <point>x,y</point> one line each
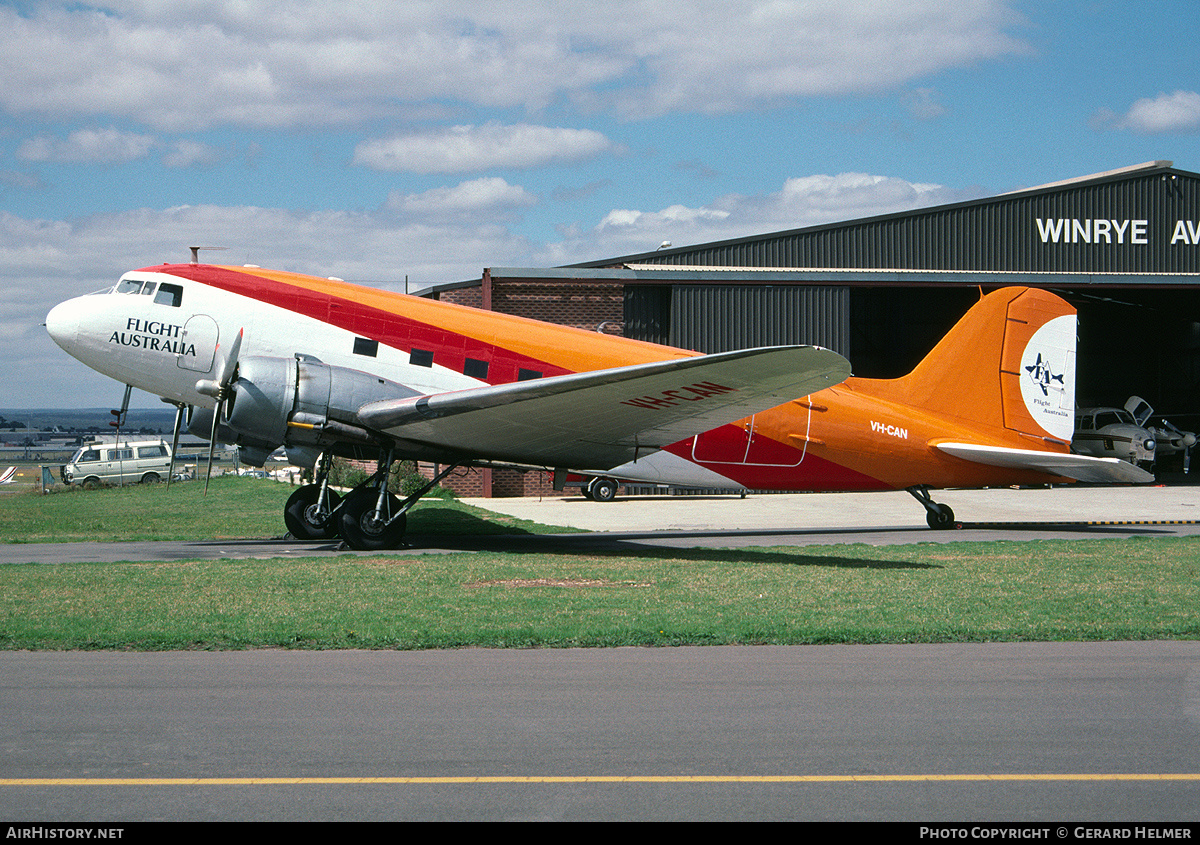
<point>198,344</point>
<point>741,443</point>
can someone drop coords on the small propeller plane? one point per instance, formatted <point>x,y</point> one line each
<point>323,367</point>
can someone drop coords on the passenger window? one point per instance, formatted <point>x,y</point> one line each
<point>169,294</point>
<point>365,346</point>
<point>526,375</point>
<point>159,451</point>
<point>421,358</point>
<point>476,369</point>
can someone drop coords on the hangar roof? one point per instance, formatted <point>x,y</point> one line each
<point>1140,220</point>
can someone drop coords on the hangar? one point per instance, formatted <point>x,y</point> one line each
<point>1122,246</point>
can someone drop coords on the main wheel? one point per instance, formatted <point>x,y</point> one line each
<point>941,518</point>
<point>364,528</point>
<point>304,520</point>
<point>602,489</point>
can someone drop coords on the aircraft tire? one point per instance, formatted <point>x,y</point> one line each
<point>602,490</point>
<point>360,526</point>
<point>940,519</point>
<point>300,518</point>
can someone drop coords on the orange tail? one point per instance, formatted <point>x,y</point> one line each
<point>1008,365</point>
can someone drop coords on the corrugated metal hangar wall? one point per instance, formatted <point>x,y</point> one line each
<point>1123,247</point>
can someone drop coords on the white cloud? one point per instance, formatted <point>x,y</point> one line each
<point>180,66</point>
<point>489,193</point>
<point>1177,112</point>
<point>188,153</point>
<point>88,146</point>
<point>471,148</point>
<point>922,104</point>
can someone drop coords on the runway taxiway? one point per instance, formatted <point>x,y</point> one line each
<point>730,522</point>
<point>969,733</point>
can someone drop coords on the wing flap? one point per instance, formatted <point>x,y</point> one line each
<point>1079,467</point>
<point>598,419</point>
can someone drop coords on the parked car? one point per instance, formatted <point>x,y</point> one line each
<point>145,461</point>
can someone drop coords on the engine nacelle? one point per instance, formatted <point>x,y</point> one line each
<point>250,451</point>
<point>301,402</point>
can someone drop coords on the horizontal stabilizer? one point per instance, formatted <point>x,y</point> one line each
<point>1078,467</point>
<point>602,418</point>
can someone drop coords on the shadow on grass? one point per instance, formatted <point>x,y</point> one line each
<point>437,520</point>
<point>628,546</point>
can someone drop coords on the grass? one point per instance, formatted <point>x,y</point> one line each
<point>235,507</point>
<point>1144,588</point>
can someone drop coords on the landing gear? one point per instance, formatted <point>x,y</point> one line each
<point>310,512</point>
<point>309,515</point>
<point>371,518</point>
<point>938,516</point>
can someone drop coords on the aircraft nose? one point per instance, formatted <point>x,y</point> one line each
<point>63,322</point>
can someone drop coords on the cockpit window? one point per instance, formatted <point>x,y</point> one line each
<point>129,286</point>
<point>169,294</point>
<point>1113,418</point>
<point>148,288</point>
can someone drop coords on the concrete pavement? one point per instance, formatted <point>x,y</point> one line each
<point>771,512</point>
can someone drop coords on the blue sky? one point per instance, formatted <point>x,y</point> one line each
<point>433,139</point>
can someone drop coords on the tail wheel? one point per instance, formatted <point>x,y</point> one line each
<point>364,527</point>
<point>602,489</point>
<point>941,518</point>
<point>305,520</point>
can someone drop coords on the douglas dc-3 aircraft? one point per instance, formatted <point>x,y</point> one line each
<point>323,367</point>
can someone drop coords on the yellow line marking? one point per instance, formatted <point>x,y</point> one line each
<point>516,779</point>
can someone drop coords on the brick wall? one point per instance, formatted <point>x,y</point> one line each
<point>584,305</point>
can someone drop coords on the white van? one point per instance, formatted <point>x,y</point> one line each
<point>147,461</point>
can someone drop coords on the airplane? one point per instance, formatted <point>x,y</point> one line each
<point>1115,432</point>
<point>323,367</point>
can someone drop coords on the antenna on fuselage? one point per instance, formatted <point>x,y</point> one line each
<point>196,251</point>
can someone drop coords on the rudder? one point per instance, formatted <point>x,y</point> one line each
<point>1009,363</point>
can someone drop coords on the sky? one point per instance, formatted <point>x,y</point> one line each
<point>429,139</point>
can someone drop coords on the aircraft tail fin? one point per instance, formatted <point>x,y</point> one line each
<point>7,477</point>
<point>1008,366</point>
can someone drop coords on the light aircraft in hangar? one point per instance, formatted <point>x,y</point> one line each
<point>324,367</point>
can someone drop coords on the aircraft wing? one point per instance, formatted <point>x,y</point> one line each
<point>603,418</point>
<point>1078,467</point>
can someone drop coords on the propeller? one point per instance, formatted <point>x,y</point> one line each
<point>221,390</point>
<point>1187,440</point>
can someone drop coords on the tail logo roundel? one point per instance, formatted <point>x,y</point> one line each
<point>1048,377</point>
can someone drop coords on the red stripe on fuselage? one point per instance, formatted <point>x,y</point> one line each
<point>767,464</point>
<point>450,348</point>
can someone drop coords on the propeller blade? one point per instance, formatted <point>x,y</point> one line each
<point>212,441</point>
<point>229,364</point>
